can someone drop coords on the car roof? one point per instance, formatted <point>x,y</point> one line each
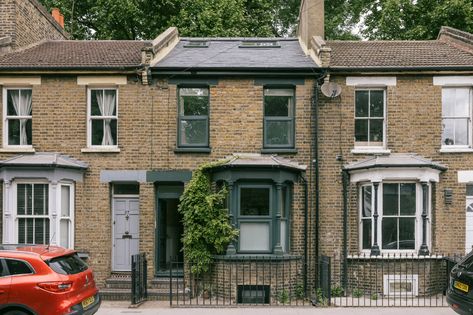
<point>46,252</point>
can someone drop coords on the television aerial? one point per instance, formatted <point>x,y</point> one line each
<point>331,89</point>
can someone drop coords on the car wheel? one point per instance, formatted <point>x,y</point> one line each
<point>15,312</point>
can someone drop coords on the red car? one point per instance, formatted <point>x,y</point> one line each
<point>45,280</point>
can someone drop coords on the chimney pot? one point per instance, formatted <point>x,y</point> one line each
<point>56,13</point>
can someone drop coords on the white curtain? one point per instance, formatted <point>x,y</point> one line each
<point>22,103</point>
<point>106,102</point>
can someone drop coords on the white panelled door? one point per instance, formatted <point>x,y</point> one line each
<point>469,224</point>
<point>126,214</point>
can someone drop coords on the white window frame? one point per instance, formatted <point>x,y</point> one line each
<point>418,218</point>
<point>361,148</point>
<point>71,213</point>
<point>393,278</point>
<point>90,117</point>
<point>10,227</point>
<point>455,147</point>
<point>6,117</point>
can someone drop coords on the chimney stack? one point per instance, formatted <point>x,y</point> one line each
<point>311,20</point>
<point>56,13</point>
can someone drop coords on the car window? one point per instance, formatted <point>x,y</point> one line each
<point>18,267</point>
<point>2,271</point>
<point>67,265</point>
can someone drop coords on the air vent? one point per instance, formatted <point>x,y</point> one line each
<point>259,44</point>
<point>196,44</point>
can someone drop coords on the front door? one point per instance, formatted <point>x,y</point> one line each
<point>126,212</point>
<point>169,234</point>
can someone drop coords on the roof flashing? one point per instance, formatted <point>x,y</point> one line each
<point>259,44</point>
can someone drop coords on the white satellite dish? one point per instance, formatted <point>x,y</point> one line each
<point>331,89</point>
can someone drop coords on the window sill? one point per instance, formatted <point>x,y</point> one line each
<point>100,150</point>
<point>192,150</point>
<point>253,257</point>
<point>276,150</point>
<point>371,151</point>
<point>17,150</point>
<point>456,150</point>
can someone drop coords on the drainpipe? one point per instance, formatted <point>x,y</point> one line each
<point>345,180</point>
<point>315,110</point>
<point>306,220</point>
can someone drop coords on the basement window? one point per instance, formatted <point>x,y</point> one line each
<point>401,285</point>
<point>196,44</point>
<point>253,294</point>
<point>260,44</point>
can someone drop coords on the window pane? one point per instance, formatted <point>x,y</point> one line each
<point>21,231</point>
<point>389,233</point>
<point>11,111</point>
<point>39,231</point>
<point>40,203</point>
<point>113,128</point>
<point>377,104</point>
<point>194,132</point>
<point>462,102</point>
<point>461,131</point>
<point>97,131</point>
<point>29,231</point>
<point>448,131</point>
<point>29,132</point>
<point>278,132</point>
<point>17,267</point>
<point>448,102</point>
<point>111,95</point>
<point>21,199</point>
<point>408,199</point>
<point>278,106</point>
<point>366,241</point>
<point>366,201</point>
<point>65,201</point>
<point>126,189</point>
<point>376,130</point>
<point>406,233</point>
<point>13,131</point>
<point>254,237</point>
<point>361,103</point>
<point>94,105</point>
<point>194,102</point>
<point>361,130</point>
<point>390,199</point>
<point>283,235</point>
<point>278,92</point>
<point>254,201</point>
<point>67,265</point>
<point>64,241</point>
<point>284,202</point>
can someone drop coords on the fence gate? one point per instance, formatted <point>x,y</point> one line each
<point>139,287</point>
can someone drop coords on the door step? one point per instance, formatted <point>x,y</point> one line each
<point>118,288</point>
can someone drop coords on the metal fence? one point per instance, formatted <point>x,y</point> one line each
<point>139,286</point>
<point>391,280</point>
<point>242,281</point>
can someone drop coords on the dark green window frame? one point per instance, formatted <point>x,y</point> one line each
<point>184,118</point>
<point>270,219</point>
<point>273,119</point>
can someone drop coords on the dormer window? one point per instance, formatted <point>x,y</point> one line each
<point>196,44</point>
<point>260,44</point>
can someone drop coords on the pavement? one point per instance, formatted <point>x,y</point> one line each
<point>162,308</point>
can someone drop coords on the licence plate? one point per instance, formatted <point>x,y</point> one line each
<point>461,286</point>
<point>88,301</point>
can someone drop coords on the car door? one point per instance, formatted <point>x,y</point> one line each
<point>5,282</point>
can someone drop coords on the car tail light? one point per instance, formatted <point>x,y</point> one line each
<point>57,286</point>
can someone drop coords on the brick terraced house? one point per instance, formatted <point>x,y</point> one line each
<point>99,139</point>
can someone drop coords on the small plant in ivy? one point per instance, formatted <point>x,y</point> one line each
<point>357,293</point>
<point>337,291</point>
<point>299,291</point>
<point>320,299</point>
<point>283,297</point>
<point>207,229</point>
<point>374,296</point>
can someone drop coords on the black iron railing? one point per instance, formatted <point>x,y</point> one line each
<point>248,280</point>
<point>139,286</point>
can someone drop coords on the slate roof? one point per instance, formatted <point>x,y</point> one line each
<point>44,159</point>
<point>394,160</point>
<point>225,53</point>
<point>397,54</point>
<point>258,160</point>
<point>73,54</point>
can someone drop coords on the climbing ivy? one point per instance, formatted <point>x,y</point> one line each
<point>207,228</point>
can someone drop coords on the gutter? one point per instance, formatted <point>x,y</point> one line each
<point>400,69</point>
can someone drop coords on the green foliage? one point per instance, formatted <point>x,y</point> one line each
<point>337,291</point>
<point>299,291</point>
<point>374,296</point>
<point>321,299</point>
<point>357,293</point>
<point>283,297</point>
<point>207,230</point>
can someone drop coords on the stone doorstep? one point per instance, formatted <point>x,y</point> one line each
<point>108,294</point>
<point>156,283</point>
